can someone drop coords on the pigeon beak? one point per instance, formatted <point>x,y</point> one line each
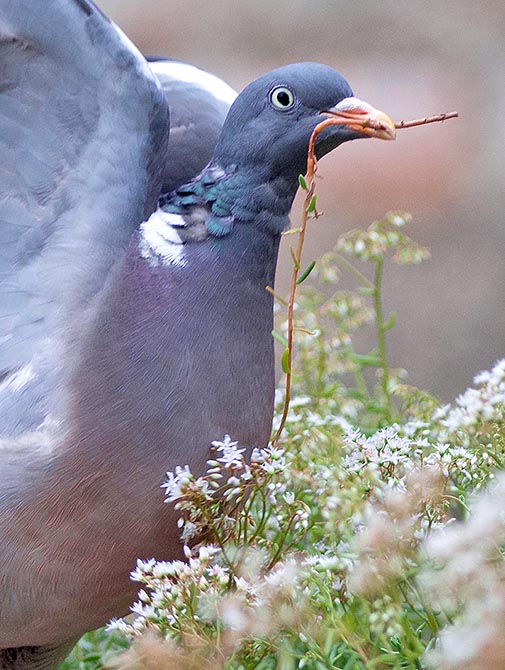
<point>364,118</point>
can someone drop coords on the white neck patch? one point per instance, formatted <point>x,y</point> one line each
<point>193,75</point>
<point>159,240</point>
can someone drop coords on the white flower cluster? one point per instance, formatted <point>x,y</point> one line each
<point>469,578</point>
<point>460,463</point>
<point>381,236</point>
<point>338,523</point>
<point>229,469</point>
<point>165,591</point>
<point>386,544</point>
<point>384,449</point>
<point>231,455</point>
<point>177,595</point>
<point>271,459</point>
<point>395,451</point>
<point>177,483</point>
<point>229,479</point>
<point>476,406</point>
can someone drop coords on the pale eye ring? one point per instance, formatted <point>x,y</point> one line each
<point>282,97</point>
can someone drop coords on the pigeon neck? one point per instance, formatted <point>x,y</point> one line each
<point>234,196</point>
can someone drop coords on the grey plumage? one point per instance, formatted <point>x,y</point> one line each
<point>81,117</point>
<point>83,137</point>
<point>198,104</point>
<point>125,349</point>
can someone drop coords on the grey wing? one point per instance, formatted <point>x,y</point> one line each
<point>83,133</point>
<point>199,102</point>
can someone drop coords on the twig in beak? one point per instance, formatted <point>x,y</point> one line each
<point>427,119</point>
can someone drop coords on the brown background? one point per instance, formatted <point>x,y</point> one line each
<point>409,59</point>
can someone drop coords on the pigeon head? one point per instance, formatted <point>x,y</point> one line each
<point>253,175</point>
<point>269,125</point>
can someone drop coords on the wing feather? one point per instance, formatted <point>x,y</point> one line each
<point>83,136</point>
<point>199,102</point>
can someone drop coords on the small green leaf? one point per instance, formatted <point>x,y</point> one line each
<point>280,338</point>
<point>302,182</point>
<point>364,359</point>
<point>311,207</point>
<point>390,322</point>
<point>306,272</point>
<point>366,290</point>
<point>285,361</point>
<point>352,662</point>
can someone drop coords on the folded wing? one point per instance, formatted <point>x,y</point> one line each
<point>83,139</point>
<point>199,102</point>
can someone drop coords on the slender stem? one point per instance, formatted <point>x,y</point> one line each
<point>360,382</point>
<point>333,120</point>
<point>291,304</point>
<point>354,271</point>
<point>427,119</point>
<point>381,336</point>
<point>217,536</point>
<point>276,295</point>
<point>297,257</point>
<point>262,521</point>
<point>282,542</point>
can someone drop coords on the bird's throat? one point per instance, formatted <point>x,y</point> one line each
<point>235,196</point>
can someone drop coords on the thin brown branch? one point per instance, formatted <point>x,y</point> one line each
<point>297,257</point>
<point>427,119</point>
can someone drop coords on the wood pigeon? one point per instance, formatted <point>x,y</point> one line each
<point>131,335</point>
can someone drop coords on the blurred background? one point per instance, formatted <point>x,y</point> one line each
<point>409,59</point>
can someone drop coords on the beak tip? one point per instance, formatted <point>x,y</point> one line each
<point>364,118</point>
<point>385,127</point>
<point>388,132</point>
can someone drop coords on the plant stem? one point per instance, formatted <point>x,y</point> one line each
<point>360,382</point>
<point>291,304</point>
<point>308,206</point>
<point>381,337</point>
<point>362,279</point>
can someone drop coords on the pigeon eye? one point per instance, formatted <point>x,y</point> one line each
<point>282,98</point>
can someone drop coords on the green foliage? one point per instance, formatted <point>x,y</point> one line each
<point>94,649</point>
<point>355,542</point>
<point>328,363</point>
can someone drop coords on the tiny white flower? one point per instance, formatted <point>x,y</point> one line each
<point>164,569</point>
<point>207,551</point>
<point>231,456</point>
<point>176,483</point>
<point>289,497</point>
<point>142,595</point>
<point>118,625</point>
